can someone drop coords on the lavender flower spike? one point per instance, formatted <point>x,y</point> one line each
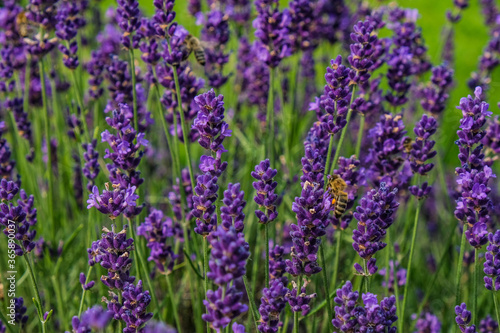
<point>112,203</point>
<point>492,263</point>
<point>232,211</point>
<point>463,319</point>
<point>265,186</point>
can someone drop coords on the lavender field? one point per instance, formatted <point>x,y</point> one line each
<point>249,166</point>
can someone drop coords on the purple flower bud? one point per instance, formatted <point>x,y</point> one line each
<point>265,186</point>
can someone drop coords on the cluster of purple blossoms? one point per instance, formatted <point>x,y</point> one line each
<point>318,138</point>
<point>474,204</point>
<point>304,25</point>
<point>164,16</point>
<point>350,171</point>
<point>271,28</point>
<point>23,124</point>
<point>489,60</point>
<point>490,11</point>
<point>128,19</point>
<point>274,298</point>
<point>157,229</point>
<point>388,136</point>
<point>112,252</point>
<point>427,323</point>
<point>374,214</point>
<point>232,212</point>
<point>351,317</point>
<point>216,34</point>
<point>69,20</point>
<point>227,266</point>
<point>93,319</point>
<point>91,167</point>
<point>265,187</point>
<point>114,202</point>
<point>212,131</point>
<point>20,317</point>
<point>488,325</point>
<point>83,281</point>
<point>42,14</point>
<point>400,70</point>
<point>299,300</point>
<point>434,96</point>
<point>492,262</point>
<point>421,151</point>
<point>362,50</point>
<point>491,141</point>
<point>312,209</point>
<point>464,318</point>
<point>6,164</point>
<point>18,219</point>
<point>159,327</point>
<point>458,6</point>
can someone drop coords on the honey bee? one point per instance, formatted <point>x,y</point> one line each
<point>22,24</point>
<point>336,186</point>
<point>193,45</point>
<point>407,143</point>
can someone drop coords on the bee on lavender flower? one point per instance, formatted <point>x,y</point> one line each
<point>336,186</point>
<point>23,26</point>
<point>407,143</point>
<point>193,45</point>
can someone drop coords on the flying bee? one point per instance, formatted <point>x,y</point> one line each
<point>22,24</point>
<point>336,186</point>
<point>407,143</point>
<point>192,44</point>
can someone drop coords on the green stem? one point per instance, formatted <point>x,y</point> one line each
<point>296,314</point>
<point>251,301</point>
<point>337,257</point>
<point>460,263</point>
<point>174,306</point>
<point>266,239</point>
<point>270,116</point>
<point>84,291</point>
<point>328,158</point>
<point>344,131</point>
<point>360,135</point>
<point>474,286</point>
<point>183,126</point>
<point>134,93</point>
<point>496,306</point>
<point>388,260</point>
<point>409,269</point>
<point>81,116</point>
<point>47,142</point>
<point>205,269</point>
<point>367,277</point>
<point>39,304</point>
<point>325,280</point>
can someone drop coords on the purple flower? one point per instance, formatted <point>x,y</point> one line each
<point>299,302</point>
<point>91,167</point>
<point>492,262</point>
<point>95,318</point>
<point>435,95</point>
<point>304,25</point>
<point>232,212</point>
<point>400,275</point>
<point>427,323</point>
<point>205,195</point>
<point>134,311</point>
<point>272,304</point>
<point>8,190</point>
<point>6,164</point>
<point>20,316</point>
<point>112,203</point>
<point>400,69</point>
<point>265,186</point>
<point>491,140</point>
<point>463,319</point>
<point>128,19</point>
<point>83,282</point>
<point>158,327</point>
<point>271,28</point>
<point>488,325</point>
<point>237,328</point>
<point>223,305</point>
<point>228,257</point>
<point>374,214</point>
<point>69,20</point>
<point>157,229</point>
<point>362,50</point>
<point>112,252</point>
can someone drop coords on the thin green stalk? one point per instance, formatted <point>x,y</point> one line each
<point>360,134</point>
<point>47,142</point>
<point>344,131</point>
<point>367,277</point>
<point>460,264</point>
<point>296,314</point>
<point>84,291</point>
<point>266,239</point>
<point>38,304</point>
<point>328,158</point>
<point>496,306</point>
<point>388,260</point>
<point>409,269</point>
<point>205,270</point>
<point>251,301</point>
<point>270,116</point>
<point>474,286</point>
<point>337,257</point>
<point>134,93</point>
<point>325,280</point>
<point>174,306</point>
<point>183,126</point>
